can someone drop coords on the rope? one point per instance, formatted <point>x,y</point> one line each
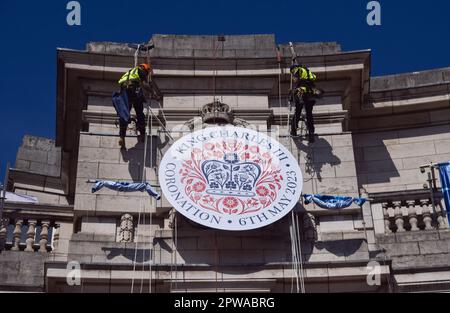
<point>215,72</point>
<point>297,256</point>
<point>136,55</point>
<point>288,122</point>
<point>291,85</point>
<point>176,249</point>
<point>171,257</point>
<point>161,123</point>
<point>216,260</point>
<point>136,245</point>
<point>143,180</point>
<point>302,274</point>
<point>173,265</point>
<point>279,84</point>
<point>151,215</point>
<point>151,255</point>
<point>140,208</point>
<point>293,253</point>
<point>143,257</point>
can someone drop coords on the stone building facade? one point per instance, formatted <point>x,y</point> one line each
<point>374,134</point>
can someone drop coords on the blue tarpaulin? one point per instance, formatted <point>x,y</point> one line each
<point>333,202</point>
<point>120,102</point>
<point>444,171</point>
<point>126,187</point>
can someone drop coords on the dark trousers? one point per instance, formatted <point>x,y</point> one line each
<point>136,100</point>
<point>308,103</point>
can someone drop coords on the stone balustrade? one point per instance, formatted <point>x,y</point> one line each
<point>413,215</point>
<point>29,235</point>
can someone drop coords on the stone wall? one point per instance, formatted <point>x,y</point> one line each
<point>37,171</point>
<point>236,46</point>
<point>420,260</point>
<point>21,271</point>
<point>390,160</point>
<point>40,156</point>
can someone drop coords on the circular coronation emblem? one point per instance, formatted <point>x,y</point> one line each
<point>230,178</point>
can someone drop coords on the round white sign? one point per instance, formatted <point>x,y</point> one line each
<point>230,178</point>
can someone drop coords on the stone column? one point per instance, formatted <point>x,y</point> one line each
<point>399,217</point>
<point>427,220</point>
<point>412,215</point>
<point>441,220</point>
<point>16,235</point>
<point>31,233</point>
<point>44,236</point>
<point>3,233</point>
<point>55,237</point>
<point>126,228</point>
<point>387,221</point>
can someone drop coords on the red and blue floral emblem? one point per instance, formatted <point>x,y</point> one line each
<point>231,177</point>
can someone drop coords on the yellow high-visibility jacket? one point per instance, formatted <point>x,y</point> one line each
<point>131,76</point>
<point>305,78</point>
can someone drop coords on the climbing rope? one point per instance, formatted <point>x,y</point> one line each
<point>279,85</point>
<point>136,245</point>
<point>150,213</point>
<point>176,249</point>
<point>215,72</point>
<point>297,255</point>
<point>173,259</point>
<point>136,55</point>
<point>143,257</point>
<point>295,262</point>
<point>216,260</point>
<point>302,274</point>
<point>143,179</point>
<point>294,58</point>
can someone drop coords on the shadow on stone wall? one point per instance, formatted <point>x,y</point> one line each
<point>317,155</point>
<point>138,255</point>
<point>373,161</point>
<point>344,248</point>
<point>378,155</point>
<point>271,245</point>
<point>135,155</point>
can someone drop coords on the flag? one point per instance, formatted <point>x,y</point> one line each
<point>126,187</point>
<point>333,202</point>
<point>14,197</point>
<point>444,171</point>
<point>120,103</point>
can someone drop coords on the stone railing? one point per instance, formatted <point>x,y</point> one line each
<point>32,227</point>
<point>29,235</point>
<point>413,215</point>
<point>411,210</point>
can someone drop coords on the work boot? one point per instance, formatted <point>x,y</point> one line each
<point>122,142</point>
<point>311,138</point>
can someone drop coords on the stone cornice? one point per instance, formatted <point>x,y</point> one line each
<point>39,211</point>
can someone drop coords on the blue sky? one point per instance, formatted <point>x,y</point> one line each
<point>413,37</point>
